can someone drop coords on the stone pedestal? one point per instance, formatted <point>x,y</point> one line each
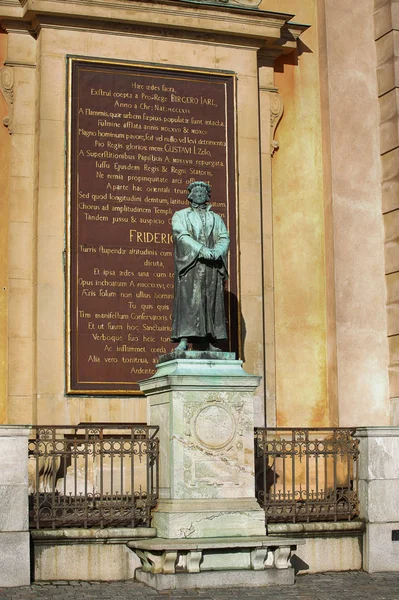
<point>379,494</point>
<point>14,525</point>
<point>211,530</point>
<point>203,405</point>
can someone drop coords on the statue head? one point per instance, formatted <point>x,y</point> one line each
<point>199,192</point>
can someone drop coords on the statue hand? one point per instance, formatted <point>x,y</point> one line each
<point>206,253</point>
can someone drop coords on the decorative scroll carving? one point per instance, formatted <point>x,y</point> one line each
<point>7,88</point>
<point>276,112</point>
<point>282,557</point>
<point>180,556</point>
<point>158,562</point>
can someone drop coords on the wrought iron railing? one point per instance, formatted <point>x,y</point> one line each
<point>305,475</point>
<point>93,475</point>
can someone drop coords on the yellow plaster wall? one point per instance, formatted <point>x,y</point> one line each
<point>305,393</point>
<point>4,186</point>
<point>53,45</point>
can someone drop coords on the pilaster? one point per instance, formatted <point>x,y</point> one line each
<point>20,76</point>
<point>386,26</point>
<point>271,111</point>
<point>14,528</point>
<point>378,497</point>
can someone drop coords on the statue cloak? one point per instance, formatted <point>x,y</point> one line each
<point>199,291</point>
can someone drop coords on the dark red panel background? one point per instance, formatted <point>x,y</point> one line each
<point>170,128</point>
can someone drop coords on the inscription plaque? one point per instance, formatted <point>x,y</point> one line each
<point>138,136</point>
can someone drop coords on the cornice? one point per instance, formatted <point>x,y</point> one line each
<point>11,8</point>
<point>171,18</point>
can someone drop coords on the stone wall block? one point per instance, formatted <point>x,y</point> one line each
<point>363,498</point>
<point>14,560</point>
<point>55,42</point>
<point>73,561</point>
<point>386,17</point>
<point>390,180</point>
<point>395,14</point>
<point>20,309</point>
<point>383,497</point>
<point>242,62</point>
<point>392,282</point>
<point>248,120</point>
<point>393,372</point>
<point>121,46</point>
<point>21,48</point>
<point>11,451</point>
<point>20,367</point>
<point>391,224</point>
<point>389,122</point>
<point>20,250</point>
<point>51,154</point>
<point>395,411</point>
<point>25,87</point>
<point>16,498</point>
<point>251,279</point>
<point>22,152</point>
<point>387,62</point>
<point>52,87</point>
<point>21,199</point>
<point>20,409</point>
<point>50,366</point>
<point>382,458</point>
<point>380,552</point>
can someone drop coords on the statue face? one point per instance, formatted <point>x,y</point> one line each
<point>199,195</point>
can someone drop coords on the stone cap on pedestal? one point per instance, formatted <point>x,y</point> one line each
<point>196,355</point>
<point>198,370</point>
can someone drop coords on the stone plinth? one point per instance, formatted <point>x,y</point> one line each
<point>14,525</point>
<point>86,554</point>
<point>203,405</point>
<point>223,562</point>
<point>379,493</point>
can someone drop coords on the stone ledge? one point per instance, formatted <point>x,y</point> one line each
<point>377,431</point>
<point>15,430</point>
<point>90,536</point>
<point>196,355</point>
<point>195,373</point>
<point>322,529</point>
<point>260,541</point>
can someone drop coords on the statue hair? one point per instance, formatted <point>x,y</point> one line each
<point>200,184</point>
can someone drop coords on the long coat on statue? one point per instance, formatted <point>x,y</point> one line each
<point>199,300</point>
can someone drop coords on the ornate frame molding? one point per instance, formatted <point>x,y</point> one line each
<point>7,89</point>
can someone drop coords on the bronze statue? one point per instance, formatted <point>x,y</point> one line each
<point>201,242</point>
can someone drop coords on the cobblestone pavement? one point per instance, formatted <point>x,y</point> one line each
<point>325,586</point>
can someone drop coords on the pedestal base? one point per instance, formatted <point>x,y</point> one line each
<point>209,518</point>
<point>224,562</point>
<point>216,579</point>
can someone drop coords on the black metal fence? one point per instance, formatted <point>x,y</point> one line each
<point>93,475</point>
<point>305,475</point>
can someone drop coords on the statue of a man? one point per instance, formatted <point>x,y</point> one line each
<point>201,242</point>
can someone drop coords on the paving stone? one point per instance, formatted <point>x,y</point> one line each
<point>354,585</point>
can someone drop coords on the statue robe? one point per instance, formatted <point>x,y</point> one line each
<point>199,283</point>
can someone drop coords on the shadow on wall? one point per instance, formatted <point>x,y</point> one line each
<point>292,57</point>
<point>235,325</point>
